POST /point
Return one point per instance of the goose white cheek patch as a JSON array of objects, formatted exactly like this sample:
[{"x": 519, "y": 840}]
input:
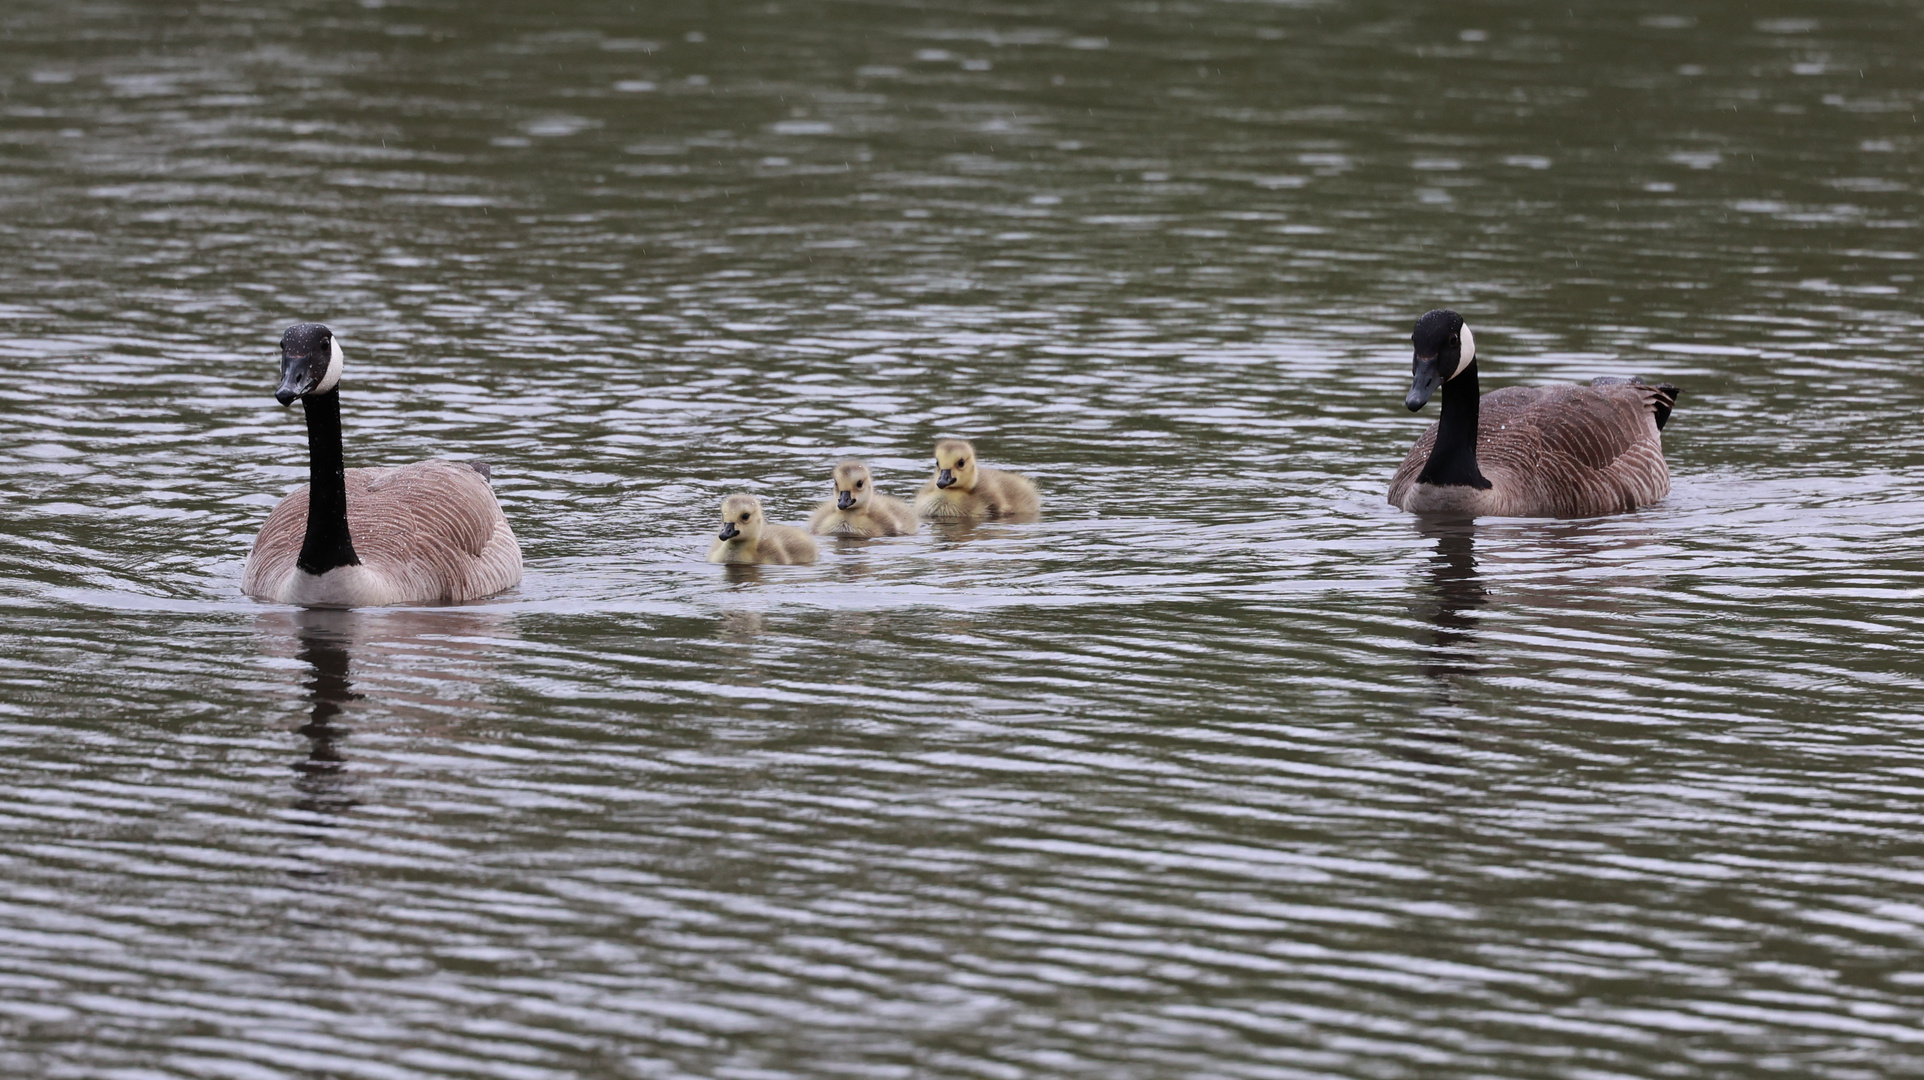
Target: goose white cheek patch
[
  {"x": 334, "y": 361},
  {"x": 1469, "y": 351}
]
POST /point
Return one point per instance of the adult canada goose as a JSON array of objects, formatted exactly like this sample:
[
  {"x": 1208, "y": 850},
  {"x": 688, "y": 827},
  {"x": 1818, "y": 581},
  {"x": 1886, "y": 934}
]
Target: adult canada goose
[
  {"x": 747, "y": 537},
  {"x": 962, "y": 490},
  {"x": 1527, "y": 451},
  {"x": 410, "y": 534},
  {"x": 858, "y": 509}
]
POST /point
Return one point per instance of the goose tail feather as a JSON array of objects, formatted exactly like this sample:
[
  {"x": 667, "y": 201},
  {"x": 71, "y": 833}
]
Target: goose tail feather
[{"x": 1664, "y": 400}]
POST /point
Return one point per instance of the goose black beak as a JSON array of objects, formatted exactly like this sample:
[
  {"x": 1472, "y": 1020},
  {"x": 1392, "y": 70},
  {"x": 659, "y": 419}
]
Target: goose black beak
[
  {"x": 729, "y": 531},
  {"x": 945, "y": 478},
  {"x": 299, "y": 374},
  {"x": 1426, "y": 374},
  {"x": 844, "y": 500}
]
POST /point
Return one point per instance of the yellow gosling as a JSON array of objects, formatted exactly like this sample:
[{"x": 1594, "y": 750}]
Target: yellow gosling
[
  {"x": 859, "y": 510},
  {"x": 962, "y": 490},
  {"x": 747, "y": 537}
]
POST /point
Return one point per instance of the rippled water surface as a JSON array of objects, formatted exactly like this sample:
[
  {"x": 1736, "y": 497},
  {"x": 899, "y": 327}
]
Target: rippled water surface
[{"x": 1223, "y": 768}]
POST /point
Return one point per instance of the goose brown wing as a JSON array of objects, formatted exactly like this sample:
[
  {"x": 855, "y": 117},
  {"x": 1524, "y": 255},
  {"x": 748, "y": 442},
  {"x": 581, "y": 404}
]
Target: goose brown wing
[
  {"x": 1497, "y": 412},
  {"x": 1575, "y": 451},
  {"x": 1406, "y": 473},
  {"x": 435, "y": 500},
  {"x": 427, "y": 522},
  {"x": 278, "y": 545},
  {"x": 1586, "y": 426}
]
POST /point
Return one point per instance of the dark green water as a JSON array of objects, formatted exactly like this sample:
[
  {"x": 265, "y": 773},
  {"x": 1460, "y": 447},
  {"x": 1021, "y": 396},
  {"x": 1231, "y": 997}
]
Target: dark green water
[{"x": 1223, "y": 768}]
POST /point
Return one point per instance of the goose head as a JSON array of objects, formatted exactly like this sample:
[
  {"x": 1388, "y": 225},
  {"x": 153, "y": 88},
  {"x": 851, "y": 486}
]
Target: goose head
[
  {"x": 955, "y": 465},
  {"x": 1444, "y": 348},
  {"x": 852, "y": 486},
  {"x": 741, "y": 519},
  {"x": 310, "y": 362}
]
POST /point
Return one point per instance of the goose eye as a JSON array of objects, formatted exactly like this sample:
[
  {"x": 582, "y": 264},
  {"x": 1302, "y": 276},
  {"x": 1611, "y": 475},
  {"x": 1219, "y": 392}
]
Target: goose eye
[
  {"x": 961, "y": 463},
  {"x": 858, "y": 484},
  {"x": 744, "y": 517}
]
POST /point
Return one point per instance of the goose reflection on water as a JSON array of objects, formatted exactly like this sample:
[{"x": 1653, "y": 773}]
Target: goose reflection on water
[
  {"x": 420, "y": 668},
  {"x": 1455, "y": 593},
  {"x": 1561, "y": 586},
  {"x": 322, "y": 778}
]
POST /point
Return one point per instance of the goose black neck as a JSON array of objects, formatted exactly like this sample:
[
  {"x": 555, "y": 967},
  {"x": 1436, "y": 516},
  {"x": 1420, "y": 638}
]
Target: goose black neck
[
  {"x": 327, "y": 544},
  {"x": 1453, "y": 460}
]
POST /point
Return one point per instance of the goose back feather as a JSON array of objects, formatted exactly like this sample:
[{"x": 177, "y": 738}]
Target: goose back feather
[
  {"x": 424, "y": 532},
  {"x": 1556, "y": 451}
]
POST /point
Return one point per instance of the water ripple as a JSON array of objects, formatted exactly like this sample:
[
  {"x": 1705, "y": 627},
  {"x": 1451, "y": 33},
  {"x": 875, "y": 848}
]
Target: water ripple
[{"x": 1222, "y": 768}]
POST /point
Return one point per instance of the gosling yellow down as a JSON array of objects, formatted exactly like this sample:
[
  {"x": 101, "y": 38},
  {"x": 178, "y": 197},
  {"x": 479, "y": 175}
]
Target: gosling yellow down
[
  {"x": 859, "y": 510},
  {"x": 962, "y": 490},
  {"x": 747, "y": 537}
]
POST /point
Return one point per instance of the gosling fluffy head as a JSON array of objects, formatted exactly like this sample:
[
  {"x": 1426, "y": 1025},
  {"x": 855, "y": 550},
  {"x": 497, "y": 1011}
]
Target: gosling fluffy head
[
  {"x": 955, "y": 467},
  {"x": 852, "y": 485},
  {"x": 311, "y": 362},
  {"x": 741, "y": 518},
  {"x": 1444, "y": 348}
]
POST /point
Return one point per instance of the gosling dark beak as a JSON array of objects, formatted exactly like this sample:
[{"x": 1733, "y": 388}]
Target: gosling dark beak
[
  {"x": 299, "y": 374},
  {"x": 945, "y": 478},
  {"x": 1426, "y": 374},
  {"x": 844, "y": 500},
  {"x": 729, "y": 531}
]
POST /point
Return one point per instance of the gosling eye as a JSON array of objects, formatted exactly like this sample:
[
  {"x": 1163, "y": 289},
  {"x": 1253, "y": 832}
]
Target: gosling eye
[
  {"x": 745, "y": 517},
  {"x": 961, "y": 463},
  {"x": 859, "y": 483}
]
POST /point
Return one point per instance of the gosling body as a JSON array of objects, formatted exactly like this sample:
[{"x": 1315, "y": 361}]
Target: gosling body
[
  {"x": 858, "y": 510},
  {"x": 1553, "y": 451},
  {"x": 431, "y": 531},
  {"x": 963, "y": 490},
  {"x": 748, "y": 537}
]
